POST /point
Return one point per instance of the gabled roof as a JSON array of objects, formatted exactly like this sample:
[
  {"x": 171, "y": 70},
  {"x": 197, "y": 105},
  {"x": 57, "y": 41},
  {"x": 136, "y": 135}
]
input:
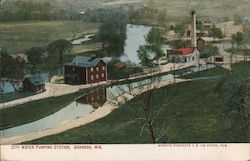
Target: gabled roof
[
  {"x": 183, "y": 51},
  {"x": 84, "y": 61},
  {"x": 35, "y": 80}
]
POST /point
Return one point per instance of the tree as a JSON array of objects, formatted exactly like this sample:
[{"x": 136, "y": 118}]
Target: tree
[
  {"x": 180, "y": 29},
  {"x": 200, "y": 26},
  {"x": 113, "y": 31},
  {"x": 209, "y": 51},
  {"x": 57, "y": 49},
  {"x": 153, "y": 48},
  {"x": 144, "y": 57},
  {"x": 34, "y": 56},
  {"x": 143, "y": 93},
  {"x": 215, "y": 32},
  {"x": 9, "y": 67},
  {"x": 237, "y": 101}
]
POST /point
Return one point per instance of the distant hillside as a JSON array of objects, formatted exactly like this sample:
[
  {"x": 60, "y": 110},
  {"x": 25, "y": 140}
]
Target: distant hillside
[
  {"x": 77, "y": 5},
  {"x": 213, "y": 8}
]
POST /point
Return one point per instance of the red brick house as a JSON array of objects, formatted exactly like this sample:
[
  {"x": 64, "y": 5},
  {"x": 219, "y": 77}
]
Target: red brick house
[{"x": 85, "y": 70}]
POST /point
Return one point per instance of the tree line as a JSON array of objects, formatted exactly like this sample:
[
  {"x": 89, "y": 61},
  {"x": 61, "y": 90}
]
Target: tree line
[{"x": 28, "y": 10}]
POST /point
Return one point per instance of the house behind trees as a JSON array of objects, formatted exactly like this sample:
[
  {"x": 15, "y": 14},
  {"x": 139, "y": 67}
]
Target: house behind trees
[{"x": 85, "y": 70}]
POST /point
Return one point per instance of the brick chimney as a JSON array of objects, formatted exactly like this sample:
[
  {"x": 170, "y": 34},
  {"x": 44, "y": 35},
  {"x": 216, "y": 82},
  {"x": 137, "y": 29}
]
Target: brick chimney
[{"x": 194, "y": 38}]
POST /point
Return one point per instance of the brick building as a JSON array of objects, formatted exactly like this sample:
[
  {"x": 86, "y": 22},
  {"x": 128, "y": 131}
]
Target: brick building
[{"x": 85, "y": 70}]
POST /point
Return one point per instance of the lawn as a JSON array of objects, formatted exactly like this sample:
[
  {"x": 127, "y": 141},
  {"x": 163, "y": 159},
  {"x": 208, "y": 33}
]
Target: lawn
[
  {"x": 218, "y": 71},
  {"x": 36, "y": 110},
  {"x": 20, "y": 36}
]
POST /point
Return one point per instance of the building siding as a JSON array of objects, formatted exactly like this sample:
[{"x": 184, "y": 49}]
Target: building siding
[{"x": 86, "y": 75}]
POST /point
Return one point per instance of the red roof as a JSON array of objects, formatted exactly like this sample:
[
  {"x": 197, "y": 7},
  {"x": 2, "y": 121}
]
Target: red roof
[{"x": 183, "y": 51}]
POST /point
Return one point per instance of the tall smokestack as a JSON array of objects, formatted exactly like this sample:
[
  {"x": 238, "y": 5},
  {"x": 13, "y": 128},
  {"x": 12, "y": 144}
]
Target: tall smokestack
[{"x": 194, "y": 39}]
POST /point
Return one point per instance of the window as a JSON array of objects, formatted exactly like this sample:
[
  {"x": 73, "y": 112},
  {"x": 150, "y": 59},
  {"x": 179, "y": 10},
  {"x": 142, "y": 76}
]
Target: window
[
  {"x": 97, "y": 76},
  {"x": 92, "y": 77},
  {"x": 102, "y": 75},
  {"x": 73, "y": 69},
  {"x": 97, "y": 68},
  {"x": 103, "y": 68},
  {"x": 92, "y": 69}
]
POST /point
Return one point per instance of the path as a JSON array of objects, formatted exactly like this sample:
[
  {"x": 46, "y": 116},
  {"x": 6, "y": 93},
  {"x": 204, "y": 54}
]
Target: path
[{"x": 97, "y": 114}]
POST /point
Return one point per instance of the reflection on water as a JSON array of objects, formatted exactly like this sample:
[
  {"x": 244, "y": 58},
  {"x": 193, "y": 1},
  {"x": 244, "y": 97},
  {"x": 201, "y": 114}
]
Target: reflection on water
[{"x": 96, "y": 99}]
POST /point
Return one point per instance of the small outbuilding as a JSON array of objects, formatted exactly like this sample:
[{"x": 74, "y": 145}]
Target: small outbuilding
[
  {"x": 33, "y": 84},
  {"x": 201, "y": 43}
]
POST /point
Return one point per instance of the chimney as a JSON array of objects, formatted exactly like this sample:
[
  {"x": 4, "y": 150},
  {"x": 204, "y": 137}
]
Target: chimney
[{"x": 194, "y": 39}]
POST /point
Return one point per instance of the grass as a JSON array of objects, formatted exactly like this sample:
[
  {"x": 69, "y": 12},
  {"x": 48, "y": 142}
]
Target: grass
[
  {"x": 20, "y": 36},
  {"x": 35, "y": 110},
  {"x": 14, "y": 96},
  {"x": 95, "y": 46},
  {"x": 211, "y": 72}
]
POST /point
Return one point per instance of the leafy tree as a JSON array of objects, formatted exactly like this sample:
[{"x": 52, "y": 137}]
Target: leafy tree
[
  {"x": 34, "y": 56},
  {"x": 215, "y": 32},
  {"x": 58, "y": 48},
  {"x": 210, "y": 50},
  {"x": 179, "y": 43},
  {"x": 113, "y": 31},
  {"x": 200, "y": 25},
  {"x": 237, "y": 101},
  {"x": 153, "y": 49},
  {"x": 180, "y": 29},
  {"x": 238, "y": 39},
  {"x": 144, "y": 56},
  {"x": 9, "y": 67}
]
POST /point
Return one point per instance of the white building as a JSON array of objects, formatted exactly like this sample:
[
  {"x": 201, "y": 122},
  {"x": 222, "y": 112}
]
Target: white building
[
  {"x": 187, "y": 54},
  {"x": 184, "y": 55}
]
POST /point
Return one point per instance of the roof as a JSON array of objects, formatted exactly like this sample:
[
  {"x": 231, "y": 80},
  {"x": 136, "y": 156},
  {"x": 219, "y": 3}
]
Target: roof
[
  {"x": 84, "y": 61},
  {"x": 119, "y": 65},
  {"x": 35, "y": 80},
  {"x": 183, "y": 51}
]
